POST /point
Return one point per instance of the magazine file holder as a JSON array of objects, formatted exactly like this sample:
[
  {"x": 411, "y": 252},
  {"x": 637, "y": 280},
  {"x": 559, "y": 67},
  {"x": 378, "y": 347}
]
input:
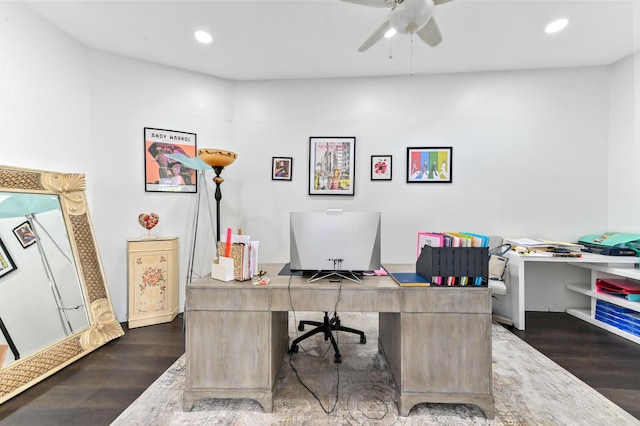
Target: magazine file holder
[{"x": 222, "y": 269}]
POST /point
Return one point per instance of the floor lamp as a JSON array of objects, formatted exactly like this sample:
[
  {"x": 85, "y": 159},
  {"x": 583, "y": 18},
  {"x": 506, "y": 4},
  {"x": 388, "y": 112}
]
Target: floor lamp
[
  {"x": 207, "y": 158},
  {"x": 200, "y": 167},
  {"x": 218, "y": 159},
  {"x": 53, "y": 285}
]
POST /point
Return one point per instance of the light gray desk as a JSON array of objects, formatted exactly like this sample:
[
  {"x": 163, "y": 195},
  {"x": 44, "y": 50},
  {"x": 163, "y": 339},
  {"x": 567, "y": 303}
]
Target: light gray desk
[
  {"x": 437, "y": 341},
  {"x": 543, "y": 281}
]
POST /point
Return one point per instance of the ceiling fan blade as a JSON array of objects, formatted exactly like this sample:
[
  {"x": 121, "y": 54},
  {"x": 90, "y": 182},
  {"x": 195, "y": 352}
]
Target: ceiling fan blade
[
  {"x": 376, "y": 36},
  {"x": 430, "y": 33},
  {"x": 373, "y": 3},
  {"x": 435, "y": 2}
]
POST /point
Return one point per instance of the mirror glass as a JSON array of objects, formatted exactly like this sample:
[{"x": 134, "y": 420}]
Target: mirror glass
[
  {"x": 34, "y": 235},
  {"x": 54, "y": 302}
]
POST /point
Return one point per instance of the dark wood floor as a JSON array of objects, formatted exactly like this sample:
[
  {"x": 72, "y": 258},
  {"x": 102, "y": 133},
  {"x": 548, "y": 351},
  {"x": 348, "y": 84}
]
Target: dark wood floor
[
  {"x": 608, "y": 363},
  {"x": 97, "y": 388}
]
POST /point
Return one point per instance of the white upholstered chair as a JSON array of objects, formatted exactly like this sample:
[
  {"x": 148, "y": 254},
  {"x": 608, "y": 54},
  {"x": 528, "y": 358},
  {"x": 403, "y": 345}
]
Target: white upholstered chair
[{"x": 498, "y": 274}]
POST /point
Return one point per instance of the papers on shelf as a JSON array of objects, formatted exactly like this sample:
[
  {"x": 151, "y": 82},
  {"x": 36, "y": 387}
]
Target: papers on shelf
[
  {"x": 538, "y": 253},
  {"x": 562, "y": 244},
  {"x": 545, "y": 248},
  {"x": 528, "y": 242}
]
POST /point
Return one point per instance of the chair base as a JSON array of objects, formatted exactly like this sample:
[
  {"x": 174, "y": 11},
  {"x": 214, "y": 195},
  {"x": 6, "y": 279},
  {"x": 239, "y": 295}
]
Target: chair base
[{"x": 327, "y": 327}]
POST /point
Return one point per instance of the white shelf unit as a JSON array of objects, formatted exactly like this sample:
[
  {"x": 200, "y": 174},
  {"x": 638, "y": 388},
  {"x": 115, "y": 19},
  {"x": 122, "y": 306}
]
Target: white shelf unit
[{"x": 604, "y": 271}]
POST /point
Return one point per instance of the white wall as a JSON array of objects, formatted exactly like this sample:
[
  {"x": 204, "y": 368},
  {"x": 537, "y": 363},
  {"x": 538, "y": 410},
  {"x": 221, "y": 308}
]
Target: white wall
[
  {"x": 522, "y": 143},
  {"x": 126, "y": 96},
  {"x": 624, "y": 148},
  {"x": 624, "y": 139},
  {"x": 44, "y": 94},
  {"x": 529, "y": 148}
]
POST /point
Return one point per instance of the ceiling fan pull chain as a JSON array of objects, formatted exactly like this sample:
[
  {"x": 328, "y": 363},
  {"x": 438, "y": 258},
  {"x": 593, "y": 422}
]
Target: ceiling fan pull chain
[
  {"x": 411, "y": 45},
  {"x": 390, "y": 55}
]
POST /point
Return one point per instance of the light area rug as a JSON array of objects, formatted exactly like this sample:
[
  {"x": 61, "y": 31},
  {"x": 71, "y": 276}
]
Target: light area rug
[{"x": 528, "y": 389}]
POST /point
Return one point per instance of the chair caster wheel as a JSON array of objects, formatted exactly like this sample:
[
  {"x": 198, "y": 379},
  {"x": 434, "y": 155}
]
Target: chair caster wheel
[
  {"x": 300, "y": 327},
  {"x": 337, "y": 359},
  {"x": 293, "y": 349},
  {"x": 363, "y": 340}
]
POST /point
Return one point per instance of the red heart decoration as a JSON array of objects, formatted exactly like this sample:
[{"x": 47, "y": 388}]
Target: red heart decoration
[{"x": 148, "y": 220}]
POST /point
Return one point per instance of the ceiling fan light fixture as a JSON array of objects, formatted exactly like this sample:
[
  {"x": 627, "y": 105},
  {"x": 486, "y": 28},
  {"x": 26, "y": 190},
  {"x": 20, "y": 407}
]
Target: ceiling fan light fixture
[
  {"x": 390, "y": 33},
  {"x": 411, "y": 15},
  {"x": 557, "y": 25},
  {"x": 203, "y": 37}
]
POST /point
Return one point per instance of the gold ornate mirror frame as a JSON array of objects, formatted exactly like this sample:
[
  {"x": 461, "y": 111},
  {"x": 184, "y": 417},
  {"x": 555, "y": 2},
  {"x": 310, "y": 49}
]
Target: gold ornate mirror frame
[{"x": 103, "y": 326}]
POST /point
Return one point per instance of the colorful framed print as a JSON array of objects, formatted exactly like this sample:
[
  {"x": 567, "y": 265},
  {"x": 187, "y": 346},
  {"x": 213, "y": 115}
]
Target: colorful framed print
[
  {"x": 429, "y": 164},
  {"x": 381, "y": 167},
  {"x": 281, "y": 168},
  {"x": 332, "y": 162},
  {"x": 24, "y": 234},
  {"x": 6, "y": 262},
  {"x": 163, "y": 171}
]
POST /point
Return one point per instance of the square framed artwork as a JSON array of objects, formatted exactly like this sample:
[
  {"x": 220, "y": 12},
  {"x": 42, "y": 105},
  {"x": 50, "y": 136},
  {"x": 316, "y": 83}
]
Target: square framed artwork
[
  {"x": 429, "y": 164},
  {"x": 163, "y": 171},
  {"x": 24, "y": 234},
  {"x": 6, "y": 262},
  {"x": 381, "y": 167},
  {"x": 281, "y": 168},
  {"x": 332, "y": 163}
]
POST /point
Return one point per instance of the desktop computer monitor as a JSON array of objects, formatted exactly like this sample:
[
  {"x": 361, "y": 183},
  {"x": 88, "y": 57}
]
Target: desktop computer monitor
[{"x": 335, "y": 240}]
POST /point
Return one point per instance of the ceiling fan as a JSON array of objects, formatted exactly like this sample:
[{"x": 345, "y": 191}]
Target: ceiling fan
[{"x": 408, "y": 17}]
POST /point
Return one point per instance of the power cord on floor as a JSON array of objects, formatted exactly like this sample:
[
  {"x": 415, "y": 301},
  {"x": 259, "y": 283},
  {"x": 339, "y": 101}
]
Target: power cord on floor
[{"x": 335, "y": 315}]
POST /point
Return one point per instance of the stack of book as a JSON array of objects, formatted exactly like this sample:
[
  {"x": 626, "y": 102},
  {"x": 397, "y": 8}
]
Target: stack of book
[
  {"x": 244, "y": 253},
  {"x": 612, "y": 244}
]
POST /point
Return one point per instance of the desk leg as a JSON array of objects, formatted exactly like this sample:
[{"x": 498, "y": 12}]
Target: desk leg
[
  {"x": 425, "y": 352},
  {"x": 517, "y": 295},
  {"x": 234, "y": 354},
  {"x": 512, "y": 305}
]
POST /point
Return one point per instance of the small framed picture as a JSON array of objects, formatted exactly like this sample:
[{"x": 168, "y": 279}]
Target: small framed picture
[
  {"x": 381, "y": 167},
  {"x": 24, "y": 234},
  {"x": 429, "y": 164},
  {"x": 332, "y": 163},
  {"x": 6, "y": 262},
  {"x": 281, "y": 168}
]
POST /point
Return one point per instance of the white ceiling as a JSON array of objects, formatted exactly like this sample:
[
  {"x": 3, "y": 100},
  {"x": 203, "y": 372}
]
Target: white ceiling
[{"x": 294, "y": 39}]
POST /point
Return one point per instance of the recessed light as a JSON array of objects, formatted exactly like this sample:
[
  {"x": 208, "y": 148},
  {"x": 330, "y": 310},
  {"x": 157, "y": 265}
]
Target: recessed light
[
  {"x": 203, "y": 37},
  {"x": 556, "y": 26},
  {"x": 390, "y": 33}
]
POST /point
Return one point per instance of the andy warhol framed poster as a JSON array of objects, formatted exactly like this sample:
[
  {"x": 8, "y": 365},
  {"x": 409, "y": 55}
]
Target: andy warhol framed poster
[{"x": 163, "y": 172}]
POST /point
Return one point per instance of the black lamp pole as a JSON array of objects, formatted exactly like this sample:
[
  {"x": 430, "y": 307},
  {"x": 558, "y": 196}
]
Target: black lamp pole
[
  {"x": 217, "y": 159},
  {"x": 218, "y": 180}
]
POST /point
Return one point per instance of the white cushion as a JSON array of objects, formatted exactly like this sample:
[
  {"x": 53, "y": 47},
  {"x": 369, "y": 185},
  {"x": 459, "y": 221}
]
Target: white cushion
[{"x": 498, "y": 287}]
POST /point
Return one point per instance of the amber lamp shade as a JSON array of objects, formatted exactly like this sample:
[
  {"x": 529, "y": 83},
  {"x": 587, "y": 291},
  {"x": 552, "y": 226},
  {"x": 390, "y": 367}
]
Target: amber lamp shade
[{"x": 218, "y": 159}]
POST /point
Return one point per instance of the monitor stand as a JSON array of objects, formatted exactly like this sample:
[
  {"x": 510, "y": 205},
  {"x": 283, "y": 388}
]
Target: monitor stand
[{"x": 347, "y": 275}]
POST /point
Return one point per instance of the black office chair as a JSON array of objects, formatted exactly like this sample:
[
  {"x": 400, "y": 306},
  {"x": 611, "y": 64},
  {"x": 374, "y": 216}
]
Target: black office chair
[{"x": 327, "y": 326}]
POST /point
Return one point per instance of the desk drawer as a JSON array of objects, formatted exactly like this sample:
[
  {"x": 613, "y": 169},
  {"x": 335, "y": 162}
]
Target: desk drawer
[
  {"x": 460, "y": 300},
  {"x": 227, "y": 299},
  {"x": 360, "y": 299}
]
